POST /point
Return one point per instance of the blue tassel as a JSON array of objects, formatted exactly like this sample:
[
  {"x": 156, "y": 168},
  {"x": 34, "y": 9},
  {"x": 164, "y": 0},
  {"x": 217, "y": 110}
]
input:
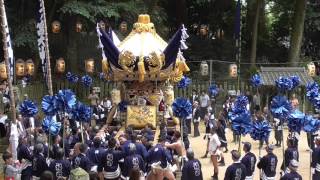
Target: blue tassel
[
  {"x": 82, "y": 113},
  {"x": 87, "y": 80},
  {"x": 280, "y": 107},
  {"x": 284, "y": 84},
  {"x": 256, "y": 80},
  {"x": 184, "y": 82},
  {"x": 181, "y": 108},
  {"x": 295, "y": 121},
  {"x": 49, "y": 105},
  {"x": 260, "y": 131},
  {"x": 65, "y": 100},
  {"x": 28, "y": 108},
  {"x": 51, "y": 126},
  {"x": 213, "y": 90}
]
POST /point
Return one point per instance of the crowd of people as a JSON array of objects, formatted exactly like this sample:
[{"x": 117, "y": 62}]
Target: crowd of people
[{"x": 102, "y": 152}]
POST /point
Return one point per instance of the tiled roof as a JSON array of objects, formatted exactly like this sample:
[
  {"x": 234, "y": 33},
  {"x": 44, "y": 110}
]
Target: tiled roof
[{"x": 270, "y": 74}]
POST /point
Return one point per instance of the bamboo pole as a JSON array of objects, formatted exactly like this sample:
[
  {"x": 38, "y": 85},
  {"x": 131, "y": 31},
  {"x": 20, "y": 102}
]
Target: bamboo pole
[
  {"x": 6, "y": 60},
  {"x": 48, "y": 66}
]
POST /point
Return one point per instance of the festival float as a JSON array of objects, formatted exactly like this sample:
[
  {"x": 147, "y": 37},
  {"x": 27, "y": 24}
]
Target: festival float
[{"x": 144, "y": 68}]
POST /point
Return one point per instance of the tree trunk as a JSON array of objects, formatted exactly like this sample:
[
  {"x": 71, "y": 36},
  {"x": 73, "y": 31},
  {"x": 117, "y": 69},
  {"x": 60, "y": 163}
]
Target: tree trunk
[
  {"x": 254, "y": 39},
  {"x": 297, "y": 32}
]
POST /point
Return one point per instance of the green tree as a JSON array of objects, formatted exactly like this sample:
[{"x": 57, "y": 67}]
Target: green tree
[{"x": 297, "y": 31}]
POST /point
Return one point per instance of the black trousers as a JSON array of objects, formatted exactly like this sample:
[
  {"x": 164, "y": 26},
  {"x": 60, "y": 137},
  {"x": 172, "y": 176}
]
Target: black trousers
[
  {"x": 26, "y": 174},
  {"x": 196, "y": 129},
  {"x": 188, "y": 124}
]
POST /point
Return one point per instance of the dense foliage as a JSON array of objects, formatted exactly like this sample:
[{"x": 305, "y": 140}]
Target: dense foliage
[{"x": 273, "y": 43}]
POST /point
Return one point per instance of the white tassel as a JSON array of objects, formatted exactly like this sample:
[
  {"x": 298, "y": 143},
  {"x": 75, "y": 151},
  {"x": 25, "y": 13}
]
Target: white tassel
[{"x": 100, "y": 46}]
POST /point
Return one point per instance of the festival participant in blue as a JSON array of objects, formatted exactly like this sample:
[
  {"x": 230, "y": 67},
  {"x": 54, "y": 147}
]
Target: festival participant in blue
[
  {"x": 95, "y": 152},
  {"x": 109, "y": 166},
  {"x": 315, "y": 164},
  {"x": 159, "y": 158},
  {"x": 80, "y": 158},
  {"x": 60, "y": 167},
  {"x": 124, "y": 143},
  {"x": 237, "y": 170},
  {"x": 249, "y": 160},
  {"x": 192, "y": 168},
  {"x": 56, "y": 145},
  {"x": 25, "y": 154},
  {"x": 291, "y": 153},
  {"x": 268, "y": 164},
  {"x": 133, "y": 162},
  {"x": 278, "y": 131},
  {"x": 39, "y": 164},
  {"x": 140, "y": 148},
  {"x": 293, "y": 174}
]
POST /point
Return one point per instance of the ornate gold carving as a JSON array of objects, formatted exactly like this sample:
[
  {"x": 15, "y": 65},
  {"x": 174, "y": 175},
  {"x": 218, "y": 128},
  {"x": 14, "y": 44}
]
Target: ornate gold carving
[
  {"x": 155, "y": 62},
  {"x": 127, "y": 61},
  {"x": 140, "y": 116},
  {"x": 105, "y": 66},
  {"x": 176, "y": 75},
  {"x": 141, "y": 69}
]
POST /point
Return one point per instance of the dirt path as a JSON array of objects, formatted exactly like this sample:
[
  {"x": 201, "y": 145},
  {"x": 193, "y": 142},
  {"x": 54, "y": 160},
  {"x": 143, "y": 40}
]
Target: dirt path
[{"x": 199, "y": 147}]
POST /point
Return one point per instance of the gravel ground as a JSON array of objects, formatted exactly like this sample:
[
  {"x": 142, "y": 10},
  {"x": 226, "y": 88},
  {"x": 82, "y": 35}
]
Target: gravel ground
[{"x": 199, "y": 147}]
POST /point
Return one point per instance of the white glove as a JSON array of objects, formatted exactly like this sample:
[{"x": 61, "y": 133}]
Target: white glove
[{"x": 313, "y": 170}]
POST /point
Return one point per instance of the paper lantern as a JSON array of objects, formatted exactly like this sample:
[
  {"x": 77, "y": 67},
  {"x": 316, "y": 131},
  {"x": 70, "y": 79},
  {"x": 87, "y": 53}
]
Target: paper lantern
[
  {"x": 204, "y": 30},
  {"x": 79, "y": 26},
  {"x": 29, "y": 67},
  {"x": 60, "y": 65},
  {"x": 3, "y": 71},
  {"x": 233, "y": 70},
  {"x": 20, "y": 68},
  {"x": 204, "y": 68},
  {"x": 311, "y": 69},
  {"x": 89, "y": 65},
  {"x": 56, "y": 26},
  {"x": 123, "y": 27}
]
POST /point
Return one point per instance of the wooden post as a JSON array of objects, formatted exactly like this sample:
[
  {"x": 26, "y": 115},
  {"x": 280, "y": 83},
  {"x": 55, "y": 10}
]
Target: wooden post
[
  {"x": 48, "y": 66},
  {"x": 6, "y": 60}
]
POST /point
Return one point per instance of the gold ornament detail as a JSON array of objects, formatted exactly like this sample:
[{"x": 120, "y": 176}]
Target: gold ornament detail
[
  {"x": 144, "y": 24},
  {"x": 141, "y": 69},
  {"x": 182, "y": 66},
  {"x": 176, "y": 76},
  {"x": 155, "y": 62},
  {"x": 127, "y": 61},
  {"x": 105, "y": 66}
]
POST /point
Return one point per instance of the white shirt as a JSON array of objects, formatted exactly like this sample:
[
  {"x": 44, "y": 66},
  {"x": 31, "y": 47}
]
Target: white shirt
[
  {"x": 214, "y": 143},
  {"x": 14, "y": 135},
  {"x": 3, "y": 119},
  {"x": 204, "y": 100}
]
